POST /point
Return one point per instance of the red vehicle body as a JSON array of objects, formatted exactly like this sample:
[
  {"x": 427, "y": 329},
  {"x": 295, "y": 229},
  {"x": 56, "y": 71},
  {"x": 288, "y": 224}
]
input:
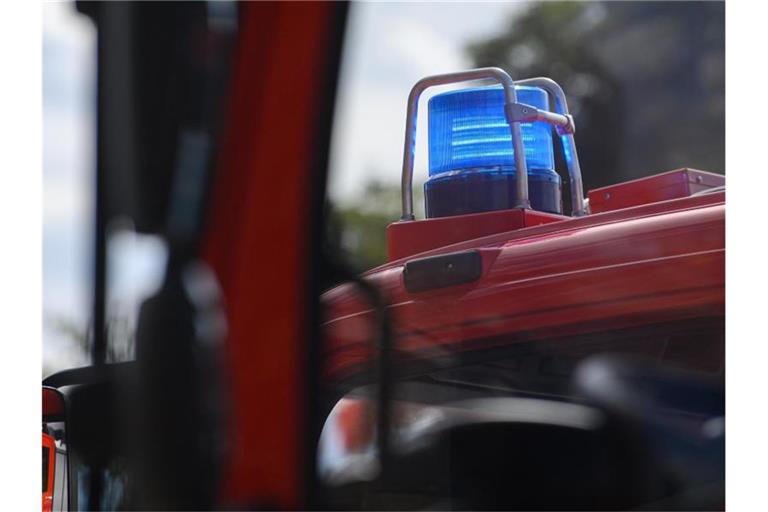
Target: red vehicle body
[
  {"x": 55, "y": 473},
  {"x": 655, "y": 256},
  {"x": 641, "y": 278},
  {"x": 49, "y": 466},
  {"x": 545, "y": 276}
]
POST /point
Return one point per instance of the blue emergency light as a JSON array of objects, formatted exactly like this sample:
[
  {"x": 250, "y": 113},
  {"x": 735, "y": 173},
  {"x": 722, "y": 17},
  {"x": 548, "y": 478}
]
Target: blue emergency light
[{"x": 471, "y": 158}]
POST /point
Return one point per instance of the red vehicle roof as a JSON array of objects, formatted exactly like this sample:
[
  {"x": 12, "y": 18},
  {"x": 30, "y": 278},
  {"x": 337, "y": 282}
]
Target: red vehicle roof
[{"x": 651, "y": 263}]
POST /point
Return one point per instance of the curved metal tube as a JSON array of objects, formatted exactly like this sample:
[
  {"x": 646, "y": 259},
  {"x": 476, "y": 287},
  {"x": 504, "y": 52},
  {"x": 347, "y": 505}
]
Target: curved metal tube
[
  {"x": 510, "y": 96},
  {"x": 579, "y": 206}
]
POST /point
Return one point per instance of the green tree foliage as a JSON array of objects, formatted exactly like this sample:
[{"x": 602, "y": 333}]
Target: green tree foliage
[
  {"x": 645, "y": 80},
  {"x": 359, "y": 228}
]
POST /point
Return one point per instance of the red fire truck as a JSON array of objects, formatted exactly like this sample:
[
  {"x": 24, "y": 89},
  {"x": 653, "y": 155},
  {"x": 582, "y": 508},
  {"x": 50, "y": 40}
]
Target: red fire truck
[
  {"x": 497, "y": 301},
  {"x": 513, "y": 352},
  {"x": 485, "y": 271}
]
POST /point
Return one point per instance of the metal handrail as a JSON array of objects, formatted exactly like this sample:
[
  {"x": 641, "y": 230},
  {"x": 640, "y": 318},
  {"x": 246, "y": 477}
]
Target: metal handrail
[
  {"x": 510, "y": 95},
  {"x": 579, "y": 206},
  {"x": 515, "y": 113}
]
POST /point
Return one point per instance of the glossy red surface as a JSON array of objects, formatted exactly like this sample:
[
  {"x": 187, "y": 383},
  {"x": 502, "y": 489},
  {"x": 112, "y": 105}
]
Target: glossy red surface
[
  {"x": 660, "y": 187},
  {"x": 647, "y": 264},
  {"x": 48, "y": 442},
  {"x": 408, "y": 238},
  {"x": 257, "y": 242},
  {"x": 53, "y": 402}
]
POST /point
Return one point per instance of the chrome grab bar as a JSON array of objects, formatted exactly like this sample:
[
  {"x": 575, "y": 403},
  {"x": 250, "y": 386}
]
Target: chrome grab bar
[
  {"x": 515, "y": 114},
  {"x": 579, "y": 206}
]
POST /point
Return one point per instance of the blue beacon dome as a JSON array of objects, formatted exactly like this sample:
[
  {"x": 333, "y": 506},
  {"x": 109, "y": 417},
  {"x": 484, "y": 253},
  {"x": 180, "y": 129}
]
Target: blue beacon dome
[{"x": 471, "y": 160}]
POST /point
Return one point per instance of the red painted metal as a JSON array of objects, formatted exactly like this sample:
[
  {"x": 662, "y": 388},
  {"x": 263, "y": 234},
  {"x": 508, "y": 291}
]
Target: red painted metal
[
  {"x": 53, "y": 402},
  {"x": 48, "y": 442},
  {"x": 257, "y": 241},
  {"x": 648, "y": 264},
  {"x": 356, "y": 421},
  {"x": 660, "y": 187},
  {"x": 413, "y": 237}
]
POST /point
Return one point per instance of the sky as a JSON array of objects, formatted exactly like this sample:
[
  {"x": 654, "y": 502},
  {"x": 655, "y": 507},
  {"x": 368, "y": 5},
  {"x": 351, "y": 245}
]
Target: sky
[
  {"x": 68, "y": 160},
  {"x": 388, "y": 47},
  {"x": 135, "y": 262}
]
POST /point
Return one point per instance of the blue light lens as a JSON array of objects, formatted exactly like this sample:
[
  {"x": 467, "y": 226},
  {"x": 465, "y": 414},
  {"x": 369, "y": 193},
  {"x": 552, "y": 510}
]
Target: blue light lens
[
  {"x": 468, "y": 130},
  {"x": 471, "y": 160}
]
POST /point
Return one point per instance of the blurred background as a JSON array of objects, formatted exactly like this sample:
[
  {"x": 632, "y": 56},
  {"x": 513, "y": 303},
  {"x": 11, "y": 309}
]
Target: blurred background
[{"x": 645, "y": 82}]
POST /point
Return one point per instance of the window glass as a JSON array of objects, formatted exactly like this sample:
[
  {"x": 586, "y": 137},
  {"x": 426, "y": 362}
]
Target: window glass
[
  {"x": 135, "y": 262},
  {"x": 69, "y": 101}
]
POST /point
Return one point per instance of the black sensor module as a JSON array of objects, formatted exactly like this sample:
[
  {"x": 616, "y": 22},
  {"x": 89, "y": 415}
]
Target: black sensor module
[{"x": 432, "y": 272}]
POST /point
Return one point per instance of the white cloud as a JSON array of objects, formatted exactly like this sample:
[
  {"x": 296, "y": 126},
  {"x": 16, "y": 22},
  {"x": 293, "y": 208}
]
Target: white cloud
[
  {"x": 369, "y": 137},
  {"x": 68, "y": 163},
  {"x": 64, "y": 25},
  {"x": 424, "y": 48}
]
